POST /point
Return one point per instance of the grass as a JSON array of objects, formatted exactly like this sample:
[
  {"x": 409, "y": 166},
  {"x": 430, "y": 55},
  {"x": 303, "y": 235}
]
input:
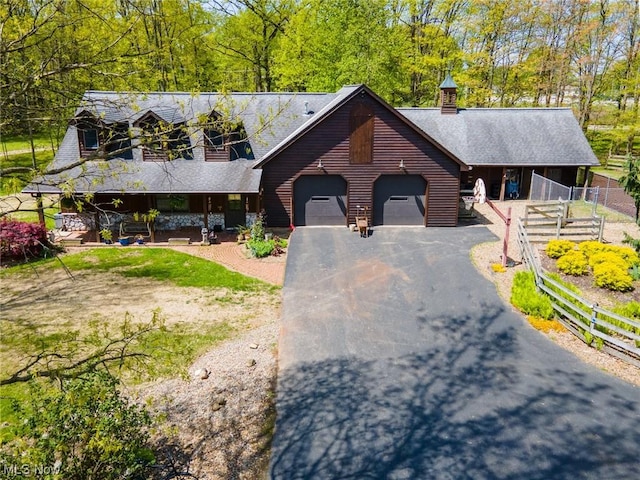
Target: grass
[
  {"x": 32, "y": 217},
  {"x": 22, "y": 142},
  {"x": 608, "y": 172},
  {"x": 582, "y": 209},
  {"x": 10, "y": 184},
  {"x": 168, "y": 348},
  {"x": 162, "y": 264}
]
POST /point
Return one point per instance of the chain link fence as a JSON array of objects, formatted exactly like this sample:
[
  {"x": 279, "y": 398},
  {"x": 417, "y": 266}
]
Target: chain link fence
[{"x": 605, "y": 192}]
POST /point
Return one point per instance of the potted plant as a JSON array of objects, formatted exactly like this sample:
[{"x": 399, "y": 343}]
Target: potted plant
[
  {"x": 244, "y": 233},
  {"x": 139, "y": 239},
  {"x": 106, "y": 235}
]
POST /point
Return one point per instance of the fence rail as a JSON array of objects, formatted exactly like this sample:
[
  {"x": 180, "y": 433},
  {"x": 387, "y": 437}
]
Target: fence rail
[
  {"x": 545, "y": 221},
  {"x": 613, "y": 333}
]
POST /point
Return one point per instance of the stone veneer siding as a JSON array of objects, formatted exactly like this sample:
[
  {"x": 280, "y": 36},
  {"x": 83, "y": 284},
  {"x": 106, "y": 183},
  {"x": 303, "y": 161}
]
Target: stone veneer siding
[{"x": 86, "y": 221}]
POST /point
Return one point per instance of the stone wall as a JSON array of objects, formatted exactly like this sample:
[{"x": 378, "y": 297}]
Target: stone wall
[
  {"x": 74, "y": 222},
  {"x": 175, "y": 221}
]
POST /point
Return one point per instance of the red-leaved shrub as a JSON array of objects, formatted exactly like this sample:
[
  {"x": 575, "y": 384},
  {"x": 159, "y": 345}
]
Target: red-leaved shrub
[{"x": 20, "y": 239}]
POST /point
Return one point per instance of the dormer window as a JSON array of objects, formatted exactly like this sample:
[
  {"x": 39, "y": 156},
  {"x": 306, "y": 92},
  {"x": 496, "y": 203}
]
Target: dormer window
[
  {"x": 118, "y": 142},
  {"x": 162, "y": 141},
  {"x": 89, "y": 130},
  {"x": 214, "y": 139},
  {"x": 90, "y": 139}
]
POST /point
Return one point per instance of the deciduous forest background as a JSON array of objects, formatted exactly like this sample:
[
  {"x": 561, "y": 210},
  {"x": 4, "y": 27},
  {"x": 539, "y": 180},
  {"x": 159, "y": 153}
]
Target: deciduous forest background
[{"x": 501, "y": 53}]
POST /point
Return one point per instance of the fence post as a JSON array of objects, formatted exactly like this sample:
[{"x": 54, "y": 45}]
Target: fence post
[
  {"x": 594, "y": 315},
  {"x": 601, "y": 229},
  {"x": 505, "y": 244},
  {"x": 559, "y": 222}
]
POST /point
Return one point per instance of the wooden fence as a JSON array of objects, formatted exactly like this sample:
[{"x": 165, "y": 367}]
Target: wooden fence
[
  {"x": 608, "y": 331},
  {"x": 547, "y": 221}
]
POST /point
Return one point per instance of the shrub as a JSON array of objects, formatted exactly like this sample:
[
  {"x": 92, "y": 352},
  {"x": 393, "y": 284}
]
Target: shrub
[
  {"x": 558, "y": 248},
  {"x": 629, "y": 310},
  {"x": 573, "y": 263},
  {"x": 257, "y": 229},
  {"x": 261, "y": 248},
  {"x": 633, "y": 242},
  {"x": 628, "y": 254},
  {"x": 498, "y": 268},
  {"x": 21, "y": 239},
  {"x": 607, "y": 257},
  {"x": 612, "y": 276},
  {"x": 593, "y": 248},
  {"x": 86, "y": 430},
  {"x": 546, "y": 325},
  {"x": 525, "y": 296},
  {"x": 590, "y": 247}
]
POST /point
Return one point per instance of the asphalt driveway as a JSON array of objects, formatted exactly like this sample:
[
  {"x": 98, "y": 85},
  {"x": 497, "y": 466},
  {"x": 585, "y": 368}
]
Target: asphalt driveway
[{"x": 398, "y": 360}]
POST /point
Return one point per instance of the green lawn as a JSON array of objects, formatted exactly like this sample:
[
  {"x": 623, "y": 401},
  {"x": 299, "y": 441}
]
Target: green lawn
[
  {"x": 167, "y": 345},
  {"x": 162, "y": 264},
  {"x": 581, "y": 209},
  {"x": 22, "y": 142},
  {"x": 608, "y": 172},
  {"x": 10, "y": 184}
]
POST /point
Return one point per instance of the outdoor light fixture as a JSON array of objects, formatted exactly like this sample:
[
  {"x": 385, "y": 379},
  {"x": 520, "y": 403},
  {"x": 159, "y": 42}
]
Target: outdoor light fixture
[
  {"x": 320, "y": 166},
  {"x": 401, "y": 164}
]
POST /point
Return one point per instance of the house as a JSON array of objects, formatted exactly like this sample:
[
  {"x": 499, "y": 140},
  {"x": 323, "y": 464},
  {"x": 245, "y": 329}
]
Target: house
[{"x": 216, "y": 160}]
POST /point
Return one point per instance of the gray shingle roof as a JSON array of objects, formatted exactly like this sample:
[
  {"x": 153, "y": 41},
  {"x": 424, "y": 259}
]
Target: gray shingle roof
[
  {"x": 268, "y": 119},
  {"x": 508, "y": 136},
  {"x": 499, "y": 137}
]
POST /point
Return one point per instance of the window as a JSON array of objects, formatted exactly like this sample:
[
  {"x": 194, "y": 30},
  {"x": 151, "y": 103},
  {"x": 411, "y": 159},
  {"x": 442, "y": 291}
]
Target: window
[
  {"x": 179, "y": 144},
  {"x": 118, "y": 144},
  {"x": 90, "y": 139},
  {"x": 163, "y": 141},
  {"x": 172, "y": 203},
  {"x": 361, "y": 121},
  {"x": 234, "y": 202},
  {"x": 214, "y": 139}
]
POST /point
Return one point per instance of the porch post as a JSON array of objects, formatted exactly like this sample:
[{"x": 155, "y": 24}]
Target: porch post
[
  {"x": 502, "y": 183},
  {"x": 205, "y": 209}
]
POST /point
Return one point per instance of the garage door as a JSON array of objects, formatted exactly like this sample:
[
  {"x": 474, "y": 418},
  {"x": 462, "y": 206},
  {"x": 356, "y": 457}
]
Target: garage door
[
  {"x": 399, "y": 200},
  {"x": 320, "y": 200}
]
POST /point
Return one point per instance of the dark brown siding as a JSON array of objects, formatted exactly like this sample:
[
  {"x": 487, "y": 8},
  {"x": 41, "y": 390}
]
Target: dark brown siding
[
  {"x": 361, "y": 127},
  {"x": 213, "y": 154},
  {"x": 394, "y": 141}
]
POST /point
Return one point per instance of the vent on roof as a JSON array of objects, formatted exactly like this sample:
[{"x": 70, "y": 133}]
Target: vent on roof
[{"x": 306, "y": 109}]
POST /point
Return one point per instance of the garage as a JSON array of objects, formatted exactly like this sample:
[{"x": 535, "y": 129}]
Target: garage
[
  {"x": 320, "y": 200},
  {"x": 399, "y": 200}
]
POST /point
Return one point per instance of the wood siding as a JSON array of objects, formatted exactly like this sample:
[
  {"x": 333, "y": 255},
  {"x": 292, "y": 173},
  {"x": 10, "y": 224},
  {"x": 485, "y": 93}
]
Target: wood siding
[
  {"x": 394, "y": 141},
  {"x": 213, "y": 154}
]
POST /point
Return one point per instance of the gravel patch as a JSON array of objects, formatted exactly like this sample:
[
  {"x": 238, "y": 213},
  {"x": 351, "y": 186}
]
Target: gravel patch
[
  {"x": 487, "y": 254},
  {"x": 218, "y": 423}
]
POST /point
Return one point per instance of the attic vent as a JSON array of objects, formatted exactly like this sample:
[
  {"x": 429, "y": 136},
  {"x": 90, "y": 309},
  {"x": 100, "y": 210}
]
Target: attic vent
[{"x": 306, "y": 109}]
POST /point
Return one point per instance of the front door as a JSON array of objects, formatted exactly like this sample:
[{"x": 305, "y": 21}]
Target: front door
[{"x": 234, "y": 214}]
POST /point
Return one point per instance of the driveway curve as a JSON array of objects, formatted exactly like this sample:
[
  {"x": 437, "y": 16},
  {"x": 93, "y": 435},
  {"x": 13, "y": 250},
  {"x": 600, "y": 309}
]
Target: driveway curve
[{"x": 398, "y": 360}]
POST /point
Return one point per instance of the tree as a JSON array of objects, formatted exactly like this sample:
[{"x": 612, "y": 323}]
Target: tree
[
  {"x": 630, "y": 181},
  {"x": 86, "y": 430},
  {"x": 246, "y": 40},
  {"x": 327, "y": 45}
]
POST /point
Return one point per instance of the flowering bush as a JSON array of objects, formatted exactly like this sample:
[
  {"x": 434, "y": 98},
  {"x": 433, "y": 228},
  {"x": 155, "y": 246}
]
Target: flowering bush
[
  {"x": 612, "y": 276},
  {"x": 573, "y": 263},
  {"x": 20, "y": 239},
  {"x": 557, "y": 248}
]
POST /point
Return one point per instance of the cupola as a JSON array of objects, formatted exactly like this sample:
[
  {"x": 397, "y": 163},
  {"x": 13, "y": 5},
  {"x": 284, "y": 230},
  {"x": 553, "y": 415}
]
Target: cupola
[{"x": 448, "y": 95}]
